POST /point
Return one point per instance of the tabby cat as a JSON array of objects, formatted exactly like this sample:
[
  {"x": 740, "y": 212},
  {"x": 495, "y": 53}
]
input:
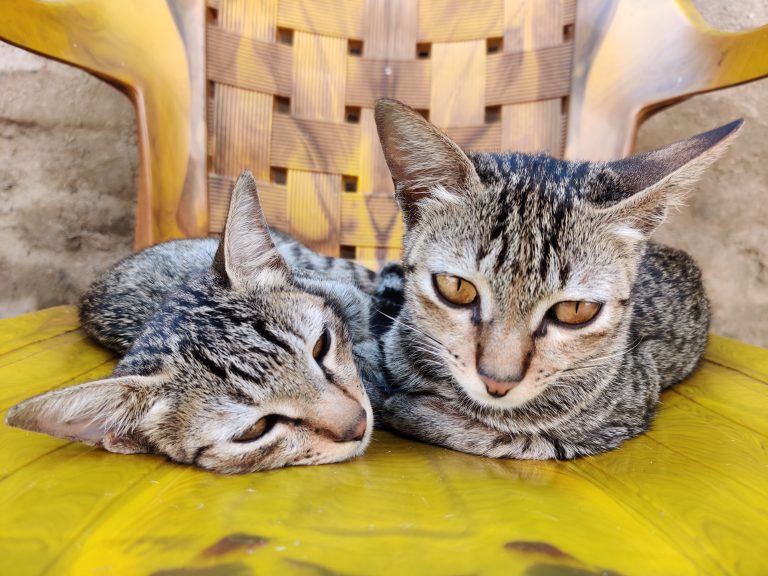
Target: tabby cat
[
  {"x": 531, "y": 318},
  {"x": 235, "y": 361},
  {"x": 538, "y": 320}
]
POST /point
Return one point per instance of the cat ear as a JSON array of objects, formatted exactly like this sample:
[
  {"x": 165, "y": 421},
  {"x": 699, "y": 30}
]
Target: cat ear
[
  {"x": 105, "y": 412},
  {"x": 247, "y": 256},
  {"x": 421, "y": 159},
  {"x": 653, "y": 182}
]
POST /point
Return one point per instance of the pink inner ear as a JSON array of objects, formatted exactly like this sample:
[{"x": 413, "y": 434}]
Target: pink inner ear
[
  {"x": 93, "y": 432},
  {"x": 90, "y": 431},
  {"x": 95, "y": 413}
]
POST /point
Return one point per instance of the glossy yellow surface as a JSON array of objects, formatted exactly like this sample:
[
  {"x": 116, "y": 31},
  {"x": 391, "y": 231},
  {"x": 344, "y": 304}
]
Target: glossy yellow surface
[
  {"x": 690, "y": 497},
  {"x": 633, "y": 58}
]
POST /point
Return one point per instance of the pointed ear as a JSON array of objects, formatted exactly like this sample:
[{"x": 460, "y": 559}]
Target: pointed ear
[
  {"x": 653, "y": 182},
  {"x": 247, "y": 256},
  {"x": 419, "y": 156},
  {"x": 105, "y": 412}
]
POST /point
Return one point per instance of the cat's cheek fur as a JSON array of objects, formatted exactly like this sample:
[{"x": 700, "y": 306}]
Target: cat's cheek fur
[{"x": 287, "y": 444}]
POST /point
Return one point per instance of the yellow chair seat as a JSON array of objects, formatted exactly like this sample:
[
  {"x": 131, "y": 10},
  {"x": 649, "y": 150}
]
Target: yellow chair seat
[{"x": 690, "y": 497}]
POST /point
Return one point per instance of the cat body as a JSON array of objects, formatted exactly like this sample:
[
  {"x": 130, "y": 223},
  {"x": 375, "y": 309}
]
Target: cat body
[
  {"x": 597, "y": 415},
  {"x": 115, "y": 307},
  {"x": 236, "y": 362},
  {"x": 537, "y": 319}
]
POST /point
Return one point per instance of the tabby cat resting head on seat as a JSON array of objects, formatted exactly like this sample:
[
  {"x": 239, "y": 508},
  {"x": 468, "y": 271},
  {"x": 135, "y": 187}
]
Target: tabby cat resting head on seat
[{"x": 248, "y": 364}]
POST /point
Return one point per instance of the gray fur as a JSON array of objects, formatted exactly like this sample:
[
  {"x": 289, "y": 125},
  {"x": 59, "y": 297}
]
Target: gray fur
[
  {"x": 216, "y": 343},
  {"x": 116, "y": 306},
  {"x": 529, "y": 231}
]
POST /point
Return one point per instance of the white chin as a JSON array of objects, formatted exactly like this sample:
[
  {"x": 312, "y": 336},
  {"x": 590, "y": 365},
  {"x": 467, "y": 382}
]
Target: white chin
[{"x": 512, "y": 399}]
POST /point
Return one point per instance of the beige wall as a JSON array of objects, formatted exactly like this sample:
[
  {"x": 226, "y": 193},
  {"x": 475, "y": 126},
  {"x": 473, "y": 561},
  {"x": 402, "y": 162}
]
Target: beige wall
[
  {"x": 68, "y": 177},
  {"x": 67, "y": 180},
  {"x": 725, "y": 224}
]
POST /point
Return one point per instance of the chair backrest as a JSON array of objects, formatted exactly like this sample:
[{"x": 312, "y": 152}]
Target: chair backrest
[
  {"x": 292, "y": 86},
  {"x": 287, "y": 87}
]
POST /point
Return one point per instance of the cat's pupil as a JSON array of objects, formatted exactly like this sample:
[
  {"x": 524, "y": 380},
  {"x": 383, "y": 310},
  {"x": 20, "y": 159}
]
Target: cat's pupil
[
  {"x": 454, "y": 289},
  {"x": 574, "y": 312}
]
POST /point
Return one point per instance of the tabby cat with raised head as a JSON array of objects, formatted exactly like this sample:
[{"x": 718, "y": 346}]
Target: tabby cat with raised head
[
  {"x": 235, "y": 360},
  {"x": 538, "y": 319}
]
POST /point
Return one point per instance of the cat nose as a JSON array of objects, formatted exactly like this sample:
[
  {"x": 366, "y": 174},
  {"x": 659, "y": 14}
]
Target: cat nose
[
  {"x": 356, "y": 431},
  {"x": 498, "y": 388},
  {"x": 513, "y": 367}
]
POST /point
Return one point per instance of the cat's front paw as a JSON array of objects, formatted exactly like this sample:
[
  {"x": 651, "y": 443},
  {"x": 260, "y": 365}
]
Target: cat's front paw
[
  {"x": 413, "y": 415},
  {"x": 433, "y": 419}
]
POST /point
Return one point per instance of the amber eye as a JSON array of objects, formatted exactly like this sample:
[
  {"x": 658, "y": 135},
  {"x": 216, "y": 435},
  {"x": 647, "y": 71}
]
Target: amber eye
[
  {"x": 454, "y": 289},
  {"x": 575, "y": 312},
  {"x": 321, "y": 346},
  {"x": 258, "y": 429}
]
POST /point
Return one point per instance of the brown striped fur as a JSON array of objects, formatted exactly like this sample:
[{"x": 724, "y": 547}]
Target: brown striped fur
[
  {"x": 529, "y": 231},
  {"x": 218, "y": 345}
]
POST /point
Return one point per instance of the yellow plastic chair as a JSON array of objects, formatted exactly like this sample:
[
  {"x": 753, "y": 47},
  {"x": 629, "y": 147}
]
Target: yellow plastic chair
[{"x": 286, "y": 88}]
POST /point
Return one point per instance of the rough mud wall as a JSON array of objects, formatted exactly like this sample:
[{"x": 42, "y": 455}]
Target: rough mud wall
[
  {"x": 67, "y": 180},
  {"x": 725, "y": 223}
]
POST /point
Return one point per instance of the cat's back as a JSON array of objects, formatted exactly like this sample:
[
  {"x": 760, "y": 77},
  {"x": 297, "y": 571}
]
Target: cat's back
[
  {"x": 118, "y": 303},
  {"x": 340, "y": 269},
  {"x": 671, "y": 311}
]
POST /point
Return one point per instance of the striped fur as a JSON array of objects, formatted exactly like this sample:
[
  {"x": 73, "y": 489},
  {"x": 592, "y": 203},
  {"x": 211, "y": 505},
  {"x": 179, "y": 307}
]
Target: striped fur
[
  {"x": 222, "y": 337},
  {"x": 529, "y": 231},
  {"x": 116, "y": 305}
]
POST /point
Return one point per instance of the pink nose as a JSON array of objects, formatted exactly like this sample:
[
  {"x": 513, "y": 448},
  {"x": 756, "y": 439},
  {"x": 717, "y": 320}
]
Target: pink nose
[
  {"x": 360, "y": 427},
  {"x": 497, "y": 388},
  {"x": 356, "y": 432}
]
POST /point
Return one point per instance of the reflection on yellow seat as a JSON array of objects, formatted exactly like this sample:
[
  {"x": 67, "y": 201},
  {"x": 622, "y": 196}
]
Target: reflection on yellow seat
[{"x": 690, "y": 497}]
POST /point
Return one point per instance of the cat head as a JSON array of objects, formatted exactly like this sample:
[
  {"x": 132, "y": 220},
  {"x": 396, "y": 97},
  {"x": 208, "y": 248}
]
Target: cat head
[
  {"x": 521, "y": 267},
  {"x": 240, "y": 370}
]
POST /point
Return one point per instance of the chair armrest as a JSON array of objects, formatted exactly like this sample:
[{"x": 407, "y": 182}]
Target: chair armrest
[
  {"x": 155, "y": 53},
  {"x": 634, "y": 58}
]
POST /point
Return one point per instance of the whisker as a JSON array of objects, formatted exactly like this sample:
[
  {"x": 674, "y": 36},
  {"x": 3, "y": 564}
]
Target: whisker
[
  {"x": 591, "y": 362},
  {"x": 432, "y": 348},
  {"x": 406, "y": 325},
  {"x": 631, "y": 347},
  {"x": 569, "y": 371}
]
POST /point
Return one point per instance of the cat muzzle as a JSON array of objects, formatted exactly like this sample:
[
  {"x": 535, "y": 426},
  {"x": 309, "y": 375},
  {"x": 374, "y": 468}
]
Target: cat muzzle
[{"x": 498, "y": 388}]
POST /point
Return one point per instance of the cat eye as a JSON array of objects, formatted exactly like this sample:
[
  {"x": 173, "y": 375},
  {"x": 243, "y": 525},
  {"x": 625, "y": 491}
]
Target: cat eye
[
  {"x": 574, "y": 312},
  {"x": 258, "y": 429},
  {"x": 321, "y": 346},
  {"x": 455, "y": 290}
]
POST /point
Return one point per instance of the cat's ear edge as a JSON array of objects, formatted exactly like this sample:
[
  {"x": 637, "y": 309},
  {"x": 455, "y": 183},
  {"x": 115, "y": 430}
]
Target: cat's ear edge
[
  {"x": 658, "y": 180},
  {"x": 419, "y": 156},
  {"x": 246, "y": 254},
  {"x": 103, "y": 413}
]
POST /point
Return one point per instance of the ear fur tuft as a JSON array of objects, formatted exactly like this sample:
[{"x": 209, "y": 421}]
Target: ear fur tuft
[
  {"x": 105, "y": 412},
  {"x": 655, "y": 181},
  {"x": 420, "y": 157}
]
